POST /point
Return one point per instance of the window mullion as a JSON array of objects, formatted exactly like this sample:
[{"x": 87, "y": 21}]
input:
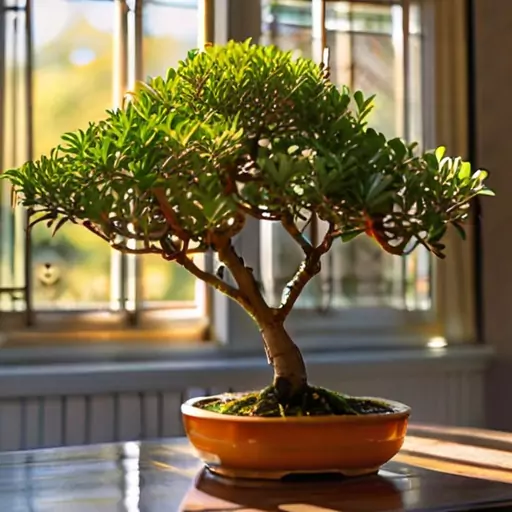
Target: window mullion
[
  {"x": 318, "y": 30},
  {"x": 138, "y": 36},
  {"x": 320, "y": 54},
  {"x": 400, "y": 21},
  {"x": 135, "y": 73},
  {"x": 2, "y": 80},
  {"x": 406, "y": 69},
  {"x": 5, "y": 246},
  {"x": 16, "y": 271},
  {"x": 29, "y": 107},
  {"x": 206, "y": 16},
  {"x": 138, "y": 56},
  {"x": 118, "y": 269},
  {"x": 231, "y": 326}
]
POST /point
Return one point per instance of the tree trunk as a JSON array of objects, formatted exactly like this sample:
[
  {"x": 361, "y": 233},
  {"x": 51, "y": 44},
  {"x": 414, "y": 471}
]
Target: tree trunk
[{"x": 290, "y": 376}]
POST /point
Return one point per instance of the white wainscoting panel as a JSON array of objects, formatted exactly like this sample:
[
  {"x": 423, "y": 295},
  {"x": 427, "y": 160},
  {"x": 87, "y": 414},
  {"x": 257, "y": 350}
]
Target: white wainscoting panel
[{"x": 95, "y": 403}]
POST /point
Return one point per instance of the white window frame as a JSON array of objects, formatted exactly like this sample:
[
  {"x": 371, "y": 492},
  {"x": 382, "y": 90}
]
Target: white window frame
[
  {"x": 168, "y": 324},
  {"x": 231, "y": 329}
]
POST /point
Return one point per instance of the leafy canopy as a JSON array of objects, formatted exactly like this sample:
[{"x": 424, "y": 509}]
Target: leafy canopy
[{"x": 245, "y": 130}]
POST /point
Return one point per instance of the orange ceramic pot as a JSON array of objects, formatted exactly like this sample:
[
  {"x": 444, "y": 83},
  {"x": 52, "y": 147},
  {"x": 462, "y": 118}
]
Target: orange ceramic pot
[{"x": 256, "y": 447}]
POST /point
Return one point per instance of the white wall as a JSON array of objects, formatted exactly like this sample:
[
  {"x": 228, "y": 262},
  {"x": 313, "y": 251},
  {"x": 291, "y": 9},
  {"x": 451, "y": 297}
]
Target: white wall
[{"x": 493, "y": 79}]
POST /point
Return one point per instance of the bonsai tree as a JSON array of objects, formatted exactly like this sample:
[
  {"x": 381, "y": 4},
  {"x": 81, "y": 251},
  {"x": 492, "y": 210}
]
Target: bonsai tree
[{"x": 241, "y": 131}]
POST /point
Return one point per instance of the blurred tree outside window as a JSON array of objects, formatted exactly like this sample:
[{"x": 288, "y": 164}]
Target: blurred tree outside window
[{"x": 73, "y": 67}]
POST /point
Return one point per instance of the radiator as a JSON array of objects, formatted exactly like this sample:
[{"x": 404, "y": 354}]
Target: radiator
[{"x": 79, "y": 404}]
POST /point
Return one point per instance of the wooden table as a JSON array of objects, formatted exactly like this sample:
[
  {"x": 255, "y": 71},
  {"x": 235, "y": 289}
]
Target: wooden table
[{"x": 438, "y": 469}]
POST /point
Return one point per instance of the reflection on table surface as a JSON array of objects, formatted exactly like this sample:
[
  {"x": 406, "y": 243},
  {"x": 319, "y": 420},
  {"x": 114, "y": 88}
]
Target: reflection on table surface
[{"x": 438, "y": 469}]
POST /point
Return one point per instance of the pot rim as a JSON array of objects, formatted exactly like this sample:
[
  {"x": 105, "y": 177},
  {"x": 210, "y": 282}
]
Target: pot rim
[{"x": 402, "y": 411}]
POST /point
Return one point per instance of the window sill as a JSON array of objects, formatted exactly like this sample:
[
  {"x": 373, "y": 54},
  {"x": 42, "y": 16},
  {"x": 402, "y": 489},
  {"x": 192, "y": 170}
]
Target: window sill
[{"x": 71, "y": 329}]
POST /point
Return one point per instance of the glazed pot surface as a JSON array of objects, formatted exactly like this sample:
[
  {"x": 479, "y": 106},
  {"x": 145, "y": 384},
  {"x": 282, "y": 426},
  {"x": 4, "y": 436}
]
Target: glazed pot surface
[{"x": 257, "y": 447}]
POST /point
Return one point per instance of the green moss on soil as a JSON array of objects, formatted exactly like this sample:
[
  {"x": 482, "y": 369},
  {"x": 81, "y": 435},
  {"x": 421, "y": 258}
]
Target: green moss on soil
[{"x": 315, "y": 401}]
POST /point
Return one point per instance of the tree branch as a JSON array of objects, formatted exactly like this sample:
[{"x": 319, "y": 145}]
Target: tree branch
[
  {"x": 213, "y": 281},
  {"x": 244, "y": 277},
  {"x": 169, "y": 213},
  {"x": 232, "y": 189},
  {"x": 308, "y": 269},
  {"x": 257, "y": 213},
  {"x": 181, "y": 258},
  {"x": 256, "y": 305},
  {"x": 314, "y": 228},
  {"x": 147, "y": 249},
  {"x": 195, "y": 250},
  {"x": 292, "y": 229}
]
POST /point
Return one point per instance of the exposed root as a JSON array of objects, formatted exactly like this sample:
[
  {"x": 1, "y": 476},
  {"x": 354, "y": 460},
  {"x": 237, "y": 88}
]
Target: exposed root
[{"x": 315, "y": 401}]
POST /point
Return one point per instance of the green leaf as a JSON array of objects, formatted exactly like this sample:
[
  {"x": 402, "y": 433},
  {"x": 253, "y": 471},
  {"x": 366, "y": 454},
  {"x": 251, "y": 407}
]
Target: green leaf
[
  {"x": 485, "y": 192},
  {"x": 480, "y": 175},
  {"x": 460, "y": 230},
  {"x": 379, "y": 184},
  {"x": 51, "y": 216},
  {"x": 465, "y": 171},
  {"x": 350, "y": 235},
  {"x": 359, "y": 99},
  {"x": 432, "y": 161},
  {"x": 399, "y": 148},
  {"x": 182, "y": 156},
  {"x": 60, "y": 223},
  {"x": 440, "y": 152}
]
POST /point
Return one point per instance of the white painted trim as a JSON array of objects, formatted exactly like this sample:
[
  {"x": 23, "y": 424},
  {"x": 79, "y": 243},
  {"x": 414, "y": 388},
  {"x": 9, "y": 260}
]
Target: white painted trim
[
  {"x": 70, "y": 404},
  {"x": 93, "y": 378}
]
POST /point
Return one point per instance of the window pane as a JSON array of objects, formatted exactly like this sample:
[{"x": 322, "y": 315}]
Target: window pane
[
  {"x": 366, "y": 53},
  {"x": 13, "y": 151},
  {"x": 170, "y": 31},
  {"x": 72, "y": 86}
]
